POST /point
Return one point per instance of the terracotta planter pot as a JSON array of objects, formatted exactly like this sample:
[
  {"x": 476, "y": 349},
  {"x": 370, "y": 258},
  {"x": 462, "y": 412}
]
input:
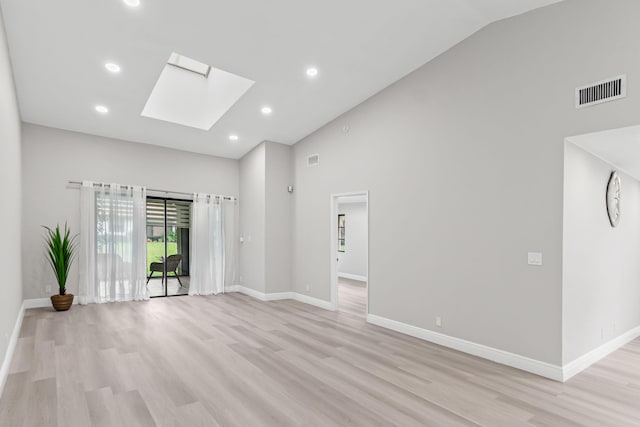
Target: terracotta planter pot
[{"x": 62, "y": 302}]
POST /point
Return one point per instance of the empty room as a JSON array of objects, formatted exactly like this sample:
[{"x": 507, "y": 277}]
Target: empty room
[{"x": 297, "y": 213}]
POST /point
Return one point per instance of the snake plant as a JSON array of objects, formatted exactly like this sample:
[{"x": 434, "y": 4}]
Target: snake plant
[{"x": 61, "y": 250}]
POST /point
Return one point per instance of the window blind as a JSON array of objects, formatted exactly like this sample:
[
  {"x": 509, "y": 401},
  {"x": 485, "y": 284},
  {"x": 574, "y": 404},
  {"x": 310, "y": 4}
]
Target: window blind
[{"x": 178, "y": 213}]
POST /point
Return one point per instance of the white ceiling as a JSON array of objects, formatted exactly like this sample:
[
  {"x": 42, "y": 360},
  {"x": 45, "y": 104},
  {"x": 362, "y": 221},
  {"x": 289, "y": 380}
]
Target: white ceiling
[
  {"x": 58, "y": 50},
  {"x": 620, "y": 147}
]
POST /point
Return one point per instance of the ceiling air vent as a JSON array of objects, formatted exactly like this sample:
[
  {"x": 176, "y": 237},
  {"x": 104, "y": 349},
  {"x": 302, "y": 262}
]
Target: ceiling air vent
[
  {"x": 313, "y": 160},
  {"x": 602, "y": 91}
]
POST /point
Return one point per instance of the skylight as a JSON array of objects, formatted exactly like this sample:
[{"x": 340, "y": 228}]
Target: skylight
[
  {"x": 194, "y": 94},
  {"x": 189, "y": 64}
]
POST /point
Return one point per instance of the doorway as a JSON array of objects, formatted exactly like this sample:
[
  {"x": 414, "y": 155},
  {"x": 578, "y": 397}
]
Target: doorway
[
  {"x": 600, "y": 235},
  {"x": 168, "y": 243},
  {"x": 350, "y": 253}
]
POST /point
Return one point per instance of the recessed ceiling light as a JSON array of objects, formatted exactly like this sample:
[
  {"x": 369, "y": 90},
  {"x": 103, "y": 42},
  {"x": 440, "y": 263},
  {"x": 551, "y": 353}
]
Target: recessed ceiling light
[
  {"x": 102, "y": 109},
  {"x": 114, "y": 68},
  {"x": 132, "y": 3},
  {"x": 312, "y": 72},
  {"x": 233, "y": 137},
  {"x": 266, "y": 110}
]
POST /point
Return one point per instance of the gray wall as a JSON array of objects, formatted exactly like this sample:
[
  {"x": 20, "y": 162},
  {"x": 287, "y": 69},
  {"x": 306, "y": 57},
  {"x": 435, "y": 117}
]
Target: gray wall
[
  {"x": 470, "y": 146},
  {"x": 10, "y": 196},
  {"x": 52, "y": 157},
  {"x": 252, "y": 219},
  {"x": 278, "y": 217},
  {"x": 265, "y": 218},
  {"x": 601, "y": 264},
  {"x": 354, "y": 259}
]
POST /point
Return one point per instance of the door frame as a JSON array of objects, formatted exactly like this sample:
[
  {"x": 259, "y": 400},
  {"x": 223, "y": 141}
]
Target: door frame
[
  {"x": 166, "y": 276},
  {"x": 333, "y": 246}
]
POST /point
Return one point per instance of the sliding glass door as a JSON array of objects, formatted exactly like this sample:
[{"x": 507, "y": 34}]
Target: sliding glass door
[{"x": 168, "y": 238}]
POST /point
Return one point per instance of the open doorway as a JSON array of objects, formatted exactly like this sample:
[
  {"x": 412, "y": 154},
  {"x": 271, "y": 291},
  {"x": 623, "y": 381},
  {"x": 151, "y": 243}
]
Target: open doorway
[
  {"x": 168, "y": 246},
  {"x": 350, "y": 253},
  {"x": 600, "y": 242}
]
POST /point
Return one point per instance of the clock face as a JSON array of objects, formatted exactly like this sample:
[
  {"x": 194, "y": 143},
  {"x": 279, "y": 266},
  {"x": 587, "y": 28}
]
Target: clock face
[{"x": 614, "y": 192}]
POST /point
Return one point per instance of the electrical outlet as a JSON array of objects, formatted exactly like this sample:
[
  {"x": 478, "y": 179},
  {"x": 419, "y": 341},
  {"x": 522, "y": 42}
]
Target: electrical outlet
[
  {"x": 601, "y": 333},
  {"x": 307, "y": 288},
  {"x": 241, "y": 279},
  {"x": 439, "y": 322},
  {"x": 47, "y": 288}
]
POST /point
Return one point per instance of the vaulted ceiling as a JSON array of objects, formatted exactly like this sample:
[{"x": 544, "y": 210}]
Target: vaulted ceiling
[{"x": 59, "y": 50}]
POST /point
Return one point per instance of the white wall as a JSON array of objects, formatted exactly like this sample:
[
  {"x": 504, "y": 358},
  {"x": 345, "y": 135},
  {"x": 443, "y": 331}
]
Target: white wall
[
  {"x": 601, "y": 264},
  {"x": 10, "y": 196},
  {"x": 278, "y": 217},
  {"x": 471, "y": 146},
  {"x": 52, "y": 157},
  {"x": 252, "y": 219},
  {"x": 353, "y": 261}
]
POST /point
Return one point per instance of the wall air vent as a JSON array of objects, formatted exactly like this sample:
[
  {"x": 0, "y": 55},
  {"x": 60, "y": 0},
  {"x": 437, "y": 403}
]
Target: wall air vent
[
  {"x": 602, "y": 91},
  {"x": 313, "y": 160}
]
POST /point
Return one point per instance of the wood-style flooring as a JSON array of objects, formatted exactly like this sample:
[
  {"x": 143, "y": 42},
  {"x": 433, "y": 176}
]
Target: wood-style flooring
[
  {"x": 352, "y": 297},
  {"x": 155, "y": 287},
  {"x": 231, "y": 360}
]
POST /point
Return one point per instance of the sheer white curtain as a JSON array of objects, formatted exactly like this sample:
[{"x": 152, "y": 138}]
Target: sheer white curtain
[
  {"x": 212, "y": 244},
  {"x": 112, "y": 243},
  {"x": 230, "y": 214}
]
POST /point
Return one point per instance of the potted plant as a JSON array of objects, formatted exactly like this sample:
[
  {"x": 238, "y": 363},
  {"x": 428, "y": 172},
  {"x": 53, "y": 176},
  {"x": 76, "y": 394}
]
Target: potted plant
[{"x": 61, "y": 249}]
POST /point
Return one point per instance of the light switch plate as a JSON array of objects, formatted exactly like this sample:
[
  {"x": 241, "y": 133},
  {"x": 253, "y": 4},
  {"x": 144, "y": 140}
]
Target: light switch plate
[{"x": 534, "y": 258}]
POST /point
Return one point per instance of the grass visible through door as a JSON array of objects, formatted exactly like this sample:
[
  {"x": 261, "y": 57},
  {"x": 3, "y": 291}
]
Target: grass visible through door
[{"x": 155, "y": 252}]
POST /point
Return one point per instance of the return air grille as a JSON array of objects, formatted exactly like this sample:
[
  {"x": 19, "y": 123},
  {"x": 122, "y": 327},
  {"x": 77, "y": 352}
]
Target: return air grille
[{"x": 602, "y": 91}]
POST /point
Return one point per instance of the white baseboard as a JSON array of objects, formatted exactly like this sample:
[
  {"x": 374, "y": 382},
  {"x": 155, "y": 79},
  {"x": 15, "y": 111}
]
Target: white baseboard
[
  {"x": 37, "y": 303},
  {"x": 11, "y": 348},
  {"x": 260, "y": 295},
  {"x": 353, "y": 277},
  {"x": 537, "y": 367},
  {"x": 280, "y": 296},
  {"x": 42, "y": 302},
  {"x": 583, "y": 362},
  {"x": 314, "y": 301}
]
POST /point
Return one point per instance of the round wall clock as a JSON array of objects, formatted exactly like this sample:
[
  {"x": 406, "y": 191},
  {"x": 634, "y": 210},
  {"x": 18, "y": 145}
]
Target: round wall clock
[{"x": 614, "y": 191}]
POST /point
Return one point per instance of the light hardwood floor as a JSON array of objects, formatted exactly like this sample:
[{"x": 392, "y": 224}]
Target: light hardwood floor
[
  {"x": 155, "y": 287},
  {"x": 352, "y": 297},
  {"x": 234, "y": 361}
]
